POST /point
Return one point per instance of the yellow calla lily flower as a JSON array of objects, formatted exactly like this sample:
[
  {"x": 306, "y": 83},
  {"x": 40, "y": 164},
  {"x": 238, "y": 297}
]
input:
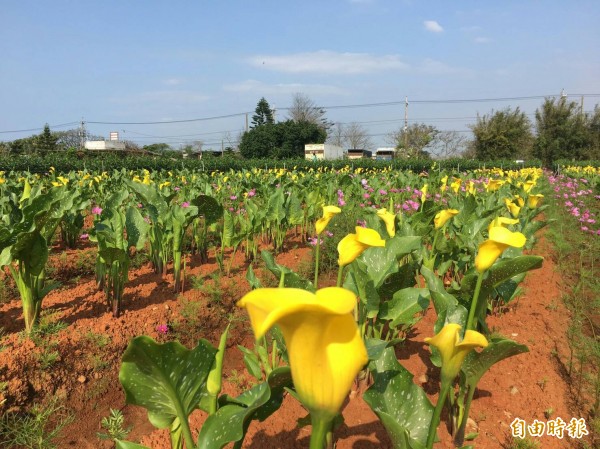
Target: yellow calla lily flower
[
  {"x": 390, "y": 221},
  {"x": 493, "y": 185},
  {"x": 442, "y": 217},
  {"x": 353, "y": 245},
  {"x": 472, "y": 189},
  {"x": 324, "y": 345},
  {"x": 500, "y": 239},
  {"x": 328, "y": 213},
  {"x": 512, "y": 207},
  {"x": 533, "y": 200},
  {"x": 444, "y": 185},
  {"x": 424, "y": 190},
  {"x": 528, "y": 185},
  {"x": 454, "y": 351},
  {"x": 455, "y": 186},
  {"x": 502, "y": 221}
]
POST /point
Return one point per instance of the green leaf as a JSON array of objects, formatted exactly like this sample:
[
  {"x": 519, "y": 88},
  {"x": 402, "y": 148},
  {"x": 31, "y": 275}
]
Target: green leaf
[
  {"x": 477, "y": 363},
  {"x": 231, "y": 421},
  {"x": 252, "y": 279},
  {"x": 404, "y": 305},
  {"x": 382, "y": 262},
  {"x": 401, "y": 405},
  {"x": 251, "y": 361},
  {"x": 137, "y": 228},
  {"x": 292, "y": 280},
  {"x": 129, "y": 445},
  {"x": 208, "y": 207},
  {"x": 166, "y": 379}
]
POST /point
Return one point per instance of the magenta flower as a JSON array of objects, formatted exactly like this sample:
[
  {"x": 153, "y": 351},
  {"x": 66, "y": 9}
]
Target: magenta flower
[
  {"x": 84, "y": 236},
  {"x": 233, "y": 197},
  {"x": 162, "y": 329},
  {"x": 96, "y": 210},
  {"x": 366, "y": 195},
  {"x": 185, "y": 204},
  {"x": 251, "y": 193}
]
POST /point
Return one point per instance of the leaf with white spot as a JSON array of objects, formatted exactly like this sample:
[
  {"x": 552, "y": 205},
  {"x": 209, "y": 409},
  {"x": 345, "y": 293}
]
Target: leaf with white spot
[
  {"x": 402, "y": 406},
  {"x": 166, "y": 379}
]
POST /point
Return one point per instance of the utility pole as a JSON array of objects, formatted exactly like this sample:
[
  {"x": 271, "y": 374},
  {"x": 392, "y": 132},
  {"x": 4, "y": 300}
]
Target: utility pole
[
  {"x": 246, "y": 122},
  {"x": 582, "y": 105},
  {"x": 81, "y": 134},
  {"x": 405, "y": 123},
  {"x": 222, "y": 149}
]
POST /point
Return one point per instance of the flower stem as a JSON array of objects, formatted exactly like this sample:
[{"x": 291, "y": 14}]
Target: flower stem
[
  {"x": 320, "y": 428},
  {"x": 437, "y": 412},
  {"x": 317, "y": 253},
  {"x": 470, "y": 324},
  {"x": 339, "y": 278}
]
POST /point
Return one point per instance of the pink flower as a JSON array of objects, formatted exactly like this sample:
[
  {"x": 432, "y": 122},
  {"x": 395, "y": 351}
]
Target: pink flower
[
  {"x": 139, "y": 205},
  {"x": 84, "y": 236},
  {"x": 361, "y": 223},
  {"x": 96, "y": 210},
  {"x": 366, "y": 195},
  {"x": 162, "y": 329},
  {"x": 185, "y": 204},
  {"x": 329, "y": 233},
  {"x": 341, "y": 202},
  {"x": 251, "y": 193},
  {"x": 382, "y": 192},
  {"x": 177, "y": 189},
  {"x": 233, "y": 197},
  {"x": 584, "y": 228}
]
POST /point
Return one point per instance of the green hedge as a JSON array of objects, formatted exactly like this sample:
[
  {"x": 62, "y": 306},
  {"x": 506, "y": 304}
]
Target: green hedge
[{"x": 65, "y": 162}]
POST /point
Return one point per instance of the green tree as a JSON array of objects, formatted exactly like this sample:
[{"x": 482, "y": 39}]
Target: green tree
[
  {"x": 280, "y": 140},
  {"x": 46, "y": 141},
  {"x": 412, "y": 142},
  {"x": 593, "y": 125},
  {"x": 562, "y": 131},
  {"x": 503, "y": 134},
  {"x": 263, "y": 114}
]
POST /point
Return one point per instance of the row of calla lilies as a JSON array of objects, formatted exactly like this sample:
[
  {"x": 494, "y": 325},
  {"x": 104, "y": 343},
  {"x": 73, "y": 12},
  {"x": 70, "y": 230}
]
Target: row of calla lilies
[{"x": 431, "y": 238}]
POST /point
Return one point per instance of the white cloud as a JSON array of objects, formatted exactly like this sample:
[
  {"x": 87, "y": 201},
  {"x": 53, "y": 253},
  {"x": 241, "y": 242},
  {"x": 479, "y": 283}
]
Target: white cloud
[
  {"x": 254, "y": 86},
  {"x": 173, "y": 81},
  {"x": 329, "y": 62},
  {"x": 482, "y": 40},
  {"x": 433, "y": 26}
]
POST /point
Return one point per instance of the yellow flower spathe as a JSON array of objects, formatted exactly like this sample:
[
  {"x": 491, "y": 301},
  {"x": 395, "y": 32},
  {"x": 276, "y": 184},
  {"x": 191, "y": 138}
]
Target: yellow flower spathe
[
  {"x": 512, "y": 208},
  {"x": 442, "y": 217},
  {"x": 454, "y": 351},
  {"x": 390, "y": 221},
  {"x": 424, "y": 190},
  {"x": 328, "y": 213},
  {"x": 533, "y": 200},
  {"x": 353, "y": 245},
  {"x": 324, "y": 345},
  {"x": 500, "y": 239},
  {"x": 502, "y": 221}
]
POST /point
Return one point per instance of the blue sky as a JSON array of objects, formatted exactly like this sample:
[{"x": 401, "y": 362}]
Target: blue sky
[{"x": 141, "y": 61}]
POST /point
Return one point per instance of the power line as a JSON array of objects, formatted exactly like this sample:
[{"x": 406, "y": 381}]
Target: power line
[
  {"x": 39, "y": 129},
  {"x": 350, "y": 106}
]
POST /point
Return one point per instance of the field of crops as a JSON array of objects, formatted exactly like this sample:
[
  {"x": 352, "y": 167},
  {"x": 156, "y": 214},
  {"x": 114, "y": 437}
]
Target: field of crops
[{"x": 289, "y": 307}]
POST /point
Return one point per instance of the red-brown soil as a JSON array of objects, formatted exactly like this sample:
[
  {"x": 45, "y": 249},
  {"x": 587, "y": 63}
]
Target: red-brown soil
[{"x": 86, "y": 372}]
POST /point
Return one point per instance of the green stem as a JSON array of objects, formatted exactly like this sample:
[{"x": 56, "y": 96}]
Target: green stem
[
  {"x": 339, "y": 278},
  {"x": 460, "y": 435},
  {"x": 320, "y": 428},
  {"x": 474, "y": 303},
  {"x": 317, "y": 253},
  {"x": 435, "y": 419}
]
